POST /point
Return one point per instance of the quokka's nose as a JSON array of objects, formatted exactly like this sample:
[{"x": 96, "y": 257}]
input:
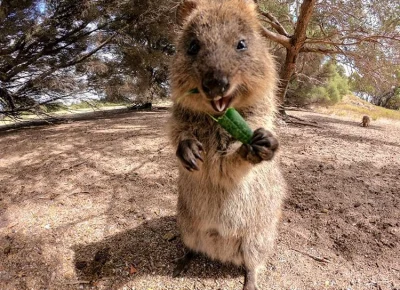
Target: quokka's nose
[{"x": 215, "y": 84}]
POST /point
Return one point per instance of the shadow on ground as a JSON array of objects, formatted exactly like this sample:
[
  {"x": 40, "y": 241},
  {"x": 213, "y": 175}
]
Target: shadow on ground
[
  {"x": 149, "y": 249},
  {"x": 82, "y": 116}
]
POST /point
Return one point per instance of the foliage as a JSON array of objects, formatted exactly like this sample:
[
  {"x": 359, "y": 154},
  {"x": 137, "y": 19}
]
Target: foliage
[
  {"x": 325, "y": 84},
  {"x": 363, "y": 35},
  {"x": 385, "y": 94},
  {"x": 119, "y": 50},
  {"x": 40, "y": 43},
  {"x": 54, "y": 49},
  {"x": 394, "y": 102},
  {"x": 134, "y": 66}
]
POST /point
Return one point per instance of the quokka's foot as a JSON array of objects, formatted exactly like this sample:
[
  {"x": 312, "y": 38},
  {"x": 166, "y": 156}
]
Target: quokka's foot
[
  {"x": 189, "y": 152},
  {"x": 262, "y": 147},
  {"x": 183, "y": 263}
]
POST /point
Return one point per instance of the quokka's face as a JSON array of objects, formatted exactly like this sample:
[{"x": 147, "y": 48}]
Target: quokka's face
[{"x": 221, "y": 54}]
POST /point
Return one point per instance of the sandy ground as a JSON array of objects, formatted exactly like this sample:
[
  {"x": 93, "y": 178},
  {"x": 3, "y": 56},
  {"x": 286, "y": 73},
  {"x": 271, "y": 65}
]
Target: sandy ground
[{"x": 91, "y": 205}]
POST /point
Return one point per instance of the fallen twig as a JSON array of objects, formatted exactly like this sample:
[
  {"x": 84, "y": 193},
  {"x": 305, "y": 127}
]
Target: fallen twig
[
  {"x": 72, "y": 166},
  {"x": 13, "y": 225},
  {"x": 78, "y": 282},
  {"x": 79, "y": 192},
  {"x": 301, "y": 235},
  {"x": 318, "y": 259},
  {"x": 300, "y": 119},
  {"x": 289, "y": 119},
  {"x": 297, "y": 109},
  {"x": 296, "y": 120},
  {"x": 303, "y": 123}
]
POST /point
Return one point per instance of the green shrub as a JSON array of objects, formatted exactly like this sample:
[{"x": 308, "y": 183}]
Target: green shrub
[
  {"x": 53, "y": 107},
  {"x": 325, "y": 86}
]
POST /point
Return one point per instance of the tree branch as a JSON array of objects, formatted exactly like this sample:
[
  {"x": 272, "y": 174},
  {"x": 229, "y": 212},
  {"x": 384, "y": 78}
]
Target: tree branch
[
  {"x": 77, "y": 60},
  {"x": 89, "y": 54},
  {"x": 281, "y": 39},
  {"x": 321, "y": 50},
  {"x": 306, "y": 11},
  {"x": 48, "y": 49},
  {"x": 275, "y": 23},
  {"x": 359, "y": 40}
]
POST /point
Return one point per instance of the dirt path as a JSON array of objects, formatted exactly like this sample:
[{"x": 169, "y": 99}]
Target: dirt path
[{"x": 90, "y": 205}]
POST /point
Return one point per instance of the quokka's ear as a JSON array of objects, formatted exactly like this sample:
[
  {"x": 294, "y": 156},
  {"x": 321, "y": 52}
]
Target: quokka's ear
[{"x": 184, "y": 10}]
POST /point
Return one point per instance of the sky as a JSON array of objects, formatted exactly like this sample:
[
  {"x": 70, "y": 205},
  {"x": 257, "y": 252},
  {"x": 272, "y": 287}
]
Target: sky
[{"x": 41, "y": 6}]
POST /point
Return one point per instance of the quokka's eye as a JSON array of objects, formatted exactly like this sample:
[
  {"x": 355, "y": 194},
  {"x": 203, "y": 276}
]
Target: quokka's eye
[
  {"x": 194, "y": 47},
  {"x": 242, "y": 45}
]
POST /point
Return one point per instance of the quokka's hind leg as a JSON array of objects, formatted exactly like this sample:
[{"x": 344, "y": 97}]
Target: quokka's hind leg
[
  {"x": 250, "y": 279},
  {"x": 183, "y": 263},
  {"x": 251, "y": 264},
  {"x": 255, "y": 250}
]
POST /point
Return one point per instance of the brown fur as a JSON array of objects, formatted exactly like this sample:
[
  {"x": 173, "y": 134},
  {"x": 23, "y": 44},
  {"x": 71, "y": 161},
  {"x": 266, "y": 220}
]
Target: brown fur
[
  {"x": 229, "y": 208},
  {"x": 365, "y": 121}
]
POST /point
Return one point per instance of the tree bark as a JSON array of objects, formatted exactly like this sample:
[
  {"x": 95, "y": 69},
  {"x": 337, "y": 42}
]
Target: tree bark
[
  {"x": 297, "y": 41},
  {"x": 286, "y": 74}
]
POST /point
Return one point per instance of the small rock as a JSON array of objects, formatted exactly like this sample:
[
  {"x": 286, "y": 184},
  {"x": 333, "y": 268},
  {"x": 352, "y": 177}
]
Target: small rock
[
  {"x": 7, "y": 250},
  {"x": 170, "y": 236},
  {"x": 132, "y": 270}
]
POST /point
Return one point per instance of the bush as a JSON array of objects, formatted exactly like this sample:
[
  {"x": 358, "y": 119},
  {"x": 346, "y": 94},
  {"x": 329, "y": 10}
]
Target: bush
[
  {"x": 394, "y": 102},
  {"x": 327, "y": 86},
  {"x": 53, "y": 107}
]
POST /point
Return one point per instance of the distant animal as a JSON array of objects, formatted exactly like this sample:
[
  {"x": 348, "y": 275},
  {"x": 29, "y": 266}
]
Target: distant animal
[
  {"x": 365, "y": 121},
  {"x": 230, "y": 194}
]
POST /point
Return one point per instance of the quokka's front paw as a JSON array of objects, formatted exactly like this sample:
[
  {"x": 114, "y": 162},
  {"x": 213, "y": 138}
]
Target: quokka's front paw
[
  {"x": 188, "y": 152},
  {"x": 262, "y": 147}
]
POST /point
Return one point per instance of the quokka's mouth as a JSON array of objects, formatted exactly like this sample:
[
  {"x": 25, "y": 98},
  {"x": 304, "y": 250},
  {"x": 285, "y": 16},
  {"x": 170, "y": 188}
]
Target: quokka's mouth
[{"x": 220, "y": 104}]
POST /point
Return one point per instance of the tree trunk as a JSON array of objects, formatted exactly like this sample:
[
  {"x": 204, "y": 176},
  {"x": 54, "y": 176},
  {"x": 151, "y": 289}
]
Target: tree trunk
[
  {"x": 297, "y": 41},
  {"x": 286, "y": 74}
]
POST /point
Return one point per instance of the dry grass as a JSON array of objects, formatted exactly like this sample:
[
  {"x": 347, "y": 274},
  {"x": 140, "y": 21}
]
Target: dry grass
[{"x": 354, "y": 107}]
